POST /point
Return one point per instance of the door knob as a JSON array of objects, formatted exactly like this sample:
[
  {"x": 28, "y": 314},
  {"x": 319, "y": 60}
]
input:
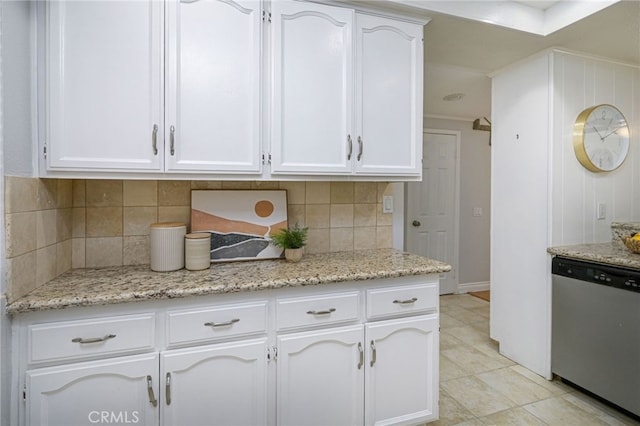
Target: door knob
[{"x": 416, "y": 223}]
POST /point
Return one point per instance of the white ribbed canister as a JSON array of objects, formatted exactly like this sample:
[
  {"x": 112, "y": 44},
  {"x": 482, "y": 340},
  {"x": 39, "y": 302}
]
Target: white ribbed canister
[
  {"x": 167, "y": 246},
  {"x": 197, "y": 251}
]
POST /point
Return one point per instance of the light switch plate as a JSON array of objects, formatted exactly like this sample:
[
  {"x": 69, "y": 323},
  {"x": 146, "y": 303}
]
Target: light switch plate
[
  {"x": 602, "y": 211},
  {"x": 387, "y": 204}
]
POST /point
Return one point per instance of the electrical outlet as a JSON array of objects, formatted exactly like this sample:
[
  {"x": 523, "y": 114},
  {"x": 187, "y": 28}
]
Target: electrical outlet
[
  {"x": 387, "y": 204},
  {"x": 602, "y": 211},
  {"x": 477, "y": 211}
]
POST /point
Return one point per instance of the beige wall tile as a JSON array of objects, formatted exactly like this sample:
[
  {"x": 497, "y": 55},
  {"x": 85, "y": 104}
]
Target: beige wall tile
[
  {"x": 384, "y": 237},
  {"x": 20, "y": 194},
  {"x": 47, "y": 194},
  {"x": 341, "y": 239},
  {"x": 318, "y": 215},
  {"x": 46, "y": 228},
  {"x": 140, "y": 193},
  {"x": 136, "y": 250},
  {"x": 20, "y": 231},
  {"x": 342, "y": 192},
  {"x": 21, "y": 275},
  {"x": 236, "y": 184},
  {"x": 364, "y": 215},
  {"x": 174, "y": 193},
  {"x": 64, "y": 253},
  {"x": 342, "y": 215},
  {"x": 46, "y": 264},
  {"x": 79, "y": 193},
  {"x": 296, "y": 215},
  {"x": 104, "y": 221},
  {"x": 318, "y": 241},
  {"x": 175, "y": 214},
  {"x": 265, "y": 185},
  {"x": 364, "y": 238},
  {"x": 65, "y": 224},
  {"x": 79, "y": 222},
  {"x": 137, "y": 220},
  {"x": 295, "y": 192},
  {"x": 206, "y": 184},
  {"x": 102, "y": 252},
  {"x": 383, "y": 219},
  {"x": 78, "y": 253},
  {"x": 104, "y": 193},
  {"x": 365, "y": 192},
  {"x": 318, "y": 193},
  {"x": 65, "y": 193}
]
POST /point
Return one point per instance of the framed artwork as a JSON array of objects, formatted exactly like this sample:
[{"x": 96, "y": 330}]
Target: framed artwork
[{"x": 240, "y": 222}]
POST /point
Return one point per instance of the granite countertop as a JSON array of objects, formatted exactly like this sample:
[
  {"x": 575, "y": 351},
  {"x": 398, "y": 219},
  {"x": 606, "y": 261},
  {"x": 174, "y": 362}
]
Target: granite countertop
[
  {"x": 103, "y": 286},
  {"x": 612, "y": 253}
]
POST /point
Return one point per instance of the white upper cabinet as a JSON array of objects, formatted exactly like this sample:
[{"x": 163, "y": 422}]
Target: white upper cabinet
[
  {"x": 343, "y": 105},
  {"x": 104, "y": 85},
  {"x": 388, "y": 96},
  {"x": 213, "y": 86},
  {"x": 312, "y": 88}
]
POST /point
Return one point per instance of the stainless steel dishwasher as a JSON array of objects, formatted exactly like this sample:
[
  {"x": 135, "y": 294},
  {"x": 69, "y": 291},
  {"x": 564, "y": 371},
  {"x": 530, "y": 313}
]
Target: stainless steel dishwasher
[{"x": 595, "y": 340}]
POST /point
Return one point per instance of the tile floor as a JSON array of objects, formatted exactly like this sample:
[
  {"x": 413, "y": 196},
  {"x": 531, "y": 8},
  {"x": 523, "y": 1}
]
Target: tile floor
[{"x": 478, "y": 386}]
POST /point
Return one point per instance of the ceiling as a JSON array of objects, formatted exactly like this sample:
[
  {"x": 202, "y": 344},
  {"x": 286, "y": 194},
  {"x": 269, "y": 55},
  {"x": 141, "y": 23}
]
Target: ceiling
[{"x": 461, "y": 52}]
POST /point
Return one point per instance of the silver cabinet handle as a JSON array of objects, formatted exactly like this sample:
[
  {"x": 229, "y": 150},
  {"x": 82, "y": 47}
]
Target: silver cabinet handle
[
  {"x": 172, "y": 132},
  {"x": 360, "y": 148},
  {"x": 154, "y": 139},
  {"x": 82, "y": 340},
  {"x": 373, "y": 353},
  {"x": 152, "y": 397},
  {"x": 222, "y": 324},
  {"x": 350, "y": 147},
  {"x": 167, "y": 389},
  {"x": 327, "y": 312},
  {"x": 406, "y": 302},
  {"x": 361, "y": 363}
]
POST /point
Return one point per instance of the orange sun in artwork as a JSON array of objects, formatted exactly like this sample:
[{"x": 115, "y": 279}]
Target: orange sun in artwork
[{"x": 264, "y": 208}]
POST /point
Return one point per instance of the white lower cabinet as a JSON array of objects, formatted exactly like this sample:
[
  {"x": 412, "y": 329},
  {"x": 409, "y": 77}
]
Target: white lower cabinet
[
  {"x": 119, "y": 390},
  {"x": 347, "y": 354},
  {"x": 320, "y": 377},
  {"x": 223, "y": 384},
  {"x": 401, "y": 378}
]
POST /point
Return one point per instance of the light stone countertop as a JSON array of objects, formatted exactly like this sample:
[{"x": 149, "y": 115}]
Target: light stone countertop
[
  {"x": 612, "y": 253},
  {"x": 103, "y": 286}
]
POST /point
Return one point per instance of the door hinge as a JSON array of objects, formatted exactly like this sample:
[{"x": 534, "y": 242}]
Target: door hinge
[
  {"x": 266, "y": 158},
  {"x": 266, "y": 16},
  {"x": 44, "y": 150},
  {"x": 275, "y": 352},
  {"x": 24, "y": 393}
]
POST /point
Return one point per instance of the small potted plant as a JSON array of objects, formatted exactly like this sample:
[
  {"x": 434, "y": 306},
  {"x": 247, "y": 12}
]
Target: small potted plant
[{"x": 292, "y": 240}]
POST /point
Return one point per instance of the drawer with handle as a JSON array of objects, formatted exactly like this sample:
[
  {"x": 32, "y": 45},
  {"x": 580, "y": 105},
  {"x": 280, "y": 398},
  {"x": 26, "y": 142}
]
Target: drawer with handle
[
  {"x": 392, "y": 301},
  {"x": 74, "y": 340},
  {"x": 300, "y": 312},
  {"x": 214, "y": 323}
]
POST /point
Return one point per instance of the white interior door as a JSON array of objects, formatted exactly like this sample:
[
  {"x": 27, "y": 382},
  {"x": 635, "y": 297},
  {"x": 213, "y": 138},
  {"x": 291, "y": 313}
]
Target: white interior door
[{"x": 432, "y": 205}]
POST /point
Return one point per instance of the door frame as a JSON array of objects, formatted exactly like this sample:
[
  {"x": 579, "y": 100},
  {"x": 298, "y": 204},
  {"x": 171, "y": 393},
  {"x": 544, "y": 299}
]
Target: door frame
[{"x": 456, "y": 219}]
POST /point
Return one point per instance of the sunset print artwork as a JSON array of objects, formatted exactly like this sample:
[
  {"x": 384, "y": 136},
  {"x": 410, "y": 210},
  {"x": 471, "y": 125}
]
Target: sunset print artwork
[{"x": 240, "y": 222}]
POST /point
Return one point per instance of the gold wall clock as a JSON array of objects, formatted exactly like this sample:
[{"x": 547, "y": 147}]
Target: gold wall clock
[{"x": 601, "y": 138}]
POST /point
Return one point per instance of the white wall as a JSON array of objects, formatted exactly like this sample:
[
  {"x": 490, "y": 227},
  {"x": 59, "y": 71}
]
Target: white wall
[
  {"x": 475, "y": 188},
  {"x": 541, "y": 196},
  {"x": 18, "y": 76},
  {"x": 581, "y": 82}
]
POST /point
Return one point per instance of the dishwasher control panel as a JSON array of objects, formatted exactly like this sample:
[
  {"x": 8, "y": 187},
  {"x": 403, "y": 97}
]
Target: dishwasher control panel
[{"x": 622, "y": 278}]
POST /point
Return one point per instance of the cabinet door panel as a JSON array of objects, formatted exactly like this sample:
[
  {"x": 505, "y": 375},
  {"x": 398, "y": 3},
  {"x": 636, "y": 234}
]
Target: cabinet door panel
[
  {"x": 312, "y": 88},
  {"x": 402, "y": 384},
  {"x": 320, "y": 378},
  {"x": 104, "y": 84},
  {"x": 223, "y": 384},
  {"x": 112, "y": 391},
  {"x": 389, "y": 95},
  {"x": 214, "y": 86}
]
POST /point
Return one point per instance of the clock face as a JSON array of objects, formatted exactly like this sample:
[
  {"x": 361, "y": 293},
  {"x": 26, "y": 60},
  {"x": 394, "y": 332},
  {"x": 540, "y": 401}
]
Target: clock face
[{"x": 601, "y": 138}]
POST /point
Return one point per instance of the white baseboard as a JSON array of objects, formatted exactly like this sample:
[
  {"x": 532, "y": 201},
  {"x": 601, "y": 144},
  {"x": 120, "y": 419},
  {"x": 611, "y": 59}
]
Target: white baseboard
[{"x": 468, "y": 287}]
